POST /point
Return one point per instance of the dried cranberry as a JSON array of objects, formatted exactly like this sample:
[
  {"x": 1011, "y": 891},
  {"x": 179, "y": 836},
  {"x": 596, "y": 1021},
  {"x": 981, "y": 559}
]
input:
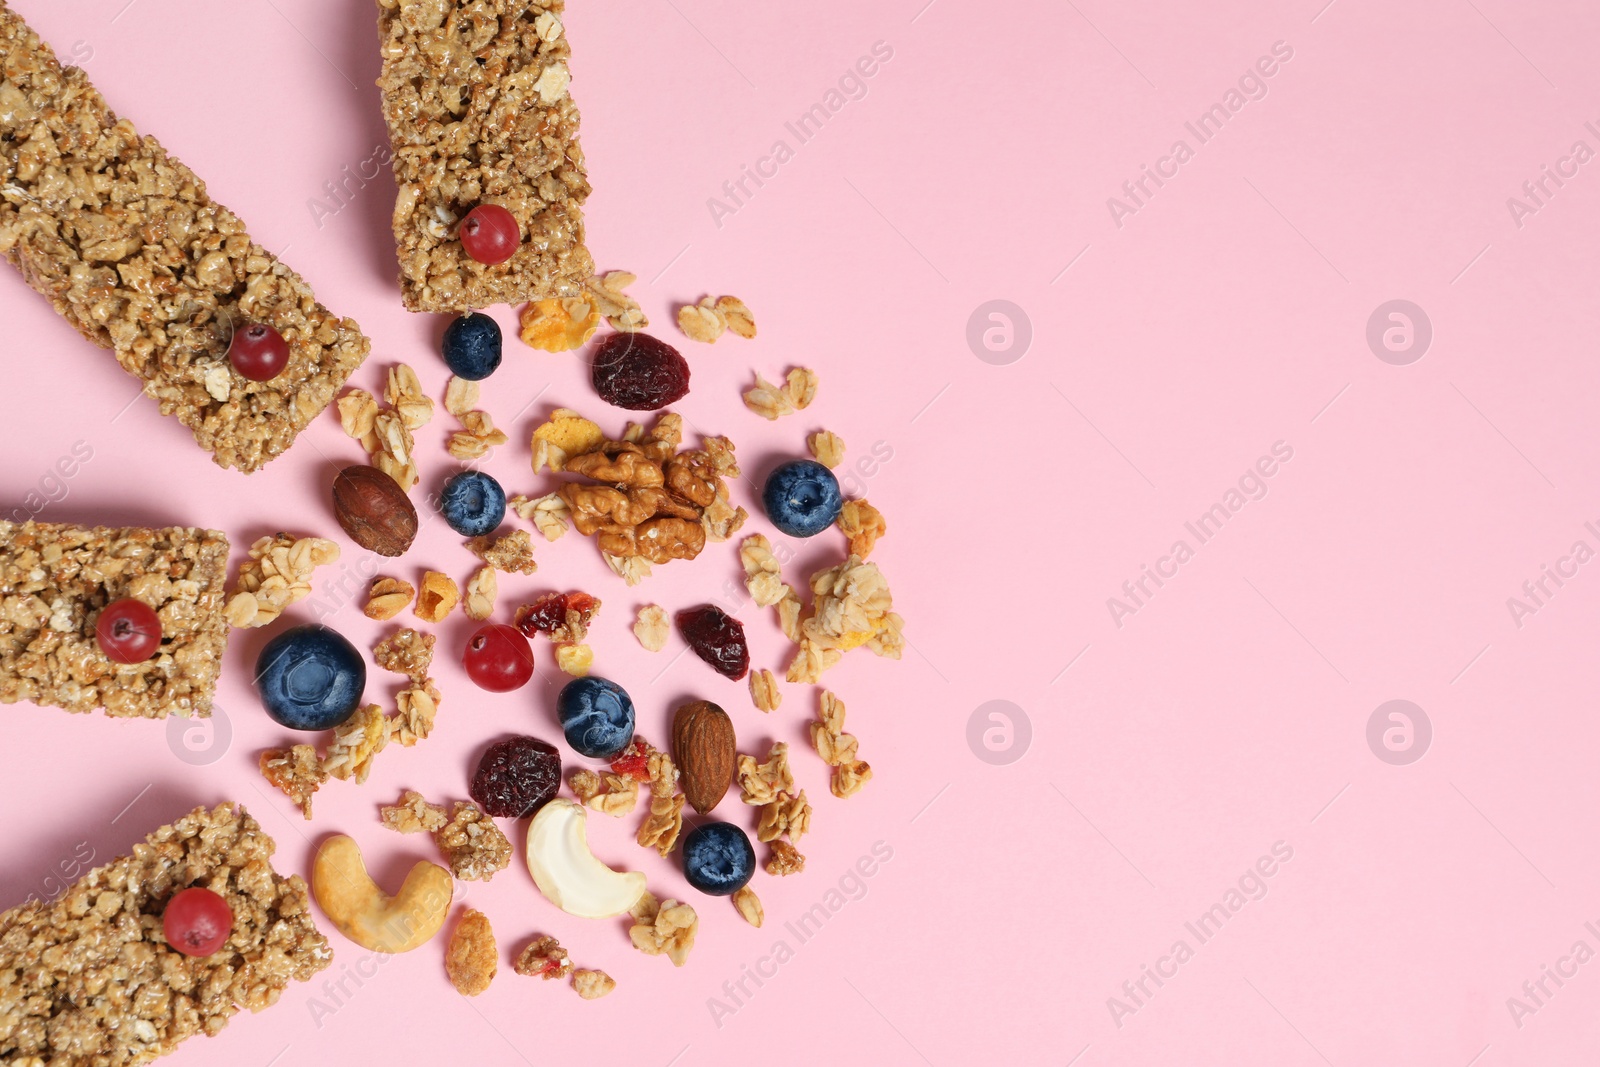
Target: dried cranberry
[
  {"x": 548, "y": 615},
  {"x": 638, "y": 372},
  {"x": 634, "y": 761},
  {"x": 516, "y": 777},
  {"x": 717, "y": 638}
]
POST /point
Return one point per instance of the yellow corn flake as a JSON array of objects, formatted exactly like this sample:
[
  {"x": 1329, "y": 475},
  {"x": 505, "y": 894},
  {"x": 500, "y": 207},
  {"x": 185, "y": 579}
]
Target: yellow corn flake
[
  {"x": 570, "y": 432},
  {"x": 559, "y": 324}
]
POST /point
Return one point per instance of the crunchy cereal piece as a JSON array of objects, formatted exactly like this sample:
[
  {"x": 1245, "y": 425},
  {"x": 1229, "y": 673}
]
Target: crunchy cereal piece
[
  {"x": 785, "y": 814},
  {"x": 355, "y": 744},
  {"x": 404, "y": 393},
  {"x": 564, "y": 435},
  {"x": 763, "y": 577},
  {"x": 646, "y": 908},
  {"x": 471, "y": 959},
  {"x": 863, "y": 524},
  {"x": 702, "y": 322},
  {"x": 620, "y": 797},
  {"x": 472, "y": 844},
  {"x": 592, "y": 985},
  {"x": 296, "y": 771},
  {"x": 90, "y": 977},
  {"x": 849, "y": 777},
  {"x": 586, "y": 785},
  {"x": 721, "y": 520},
  {"x": 769, "y": 401},
  {"x": 407, "y": 652},
  {"x": 357, "y": 410},
  {"x": 498, "y": 126},
  {"x": 548, "y": 513},
  {"x": 388, "y": 597},
  {"x": 620, "y": 310},
  {"x": 559, "y": 324},
  {"x": 827, "y": 732},
  {"x": 437, "y": 598},
  {"x": 460, "y": 395},
  {"x": 482, "y": 588},
  {"x": 670, "y": 930},
  {"x": 543, "y": 957},
  {"x": 631, "y": 569},
  {"x": 661, "y": 827},
  {"x": 392, "y": 448},
  {"x": 761, "y": 783},
  {"x": 851, "y": 606},
  {"x": 652, "y": 627},
  {"x": 738, "y": 318},
  {"x": 660, "y": 771},
  {"x": 415, "y": 709},
  {"x": 277, "y": 574},
  {"x": 764, "y": 690},
  {"x": 801, "y": 386},
  {"x": 476, "y": 436},
  {"x": 827, "y": 448},
  {"x": 413, "y": 814},
  {"x": 512, "y": 553},
  {"x": 575, "y": 659},
  {"x": 785, "y": 859},
  {"x": 749, "y": 907}
]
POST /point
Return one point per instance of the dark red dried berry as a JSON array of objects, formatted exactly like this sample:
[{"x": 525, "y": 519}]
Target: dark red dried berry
[
  {"x": 717, "y": 638},
  {"x": 634, "y": 761},
  {"x": 548, "y": 615},
  {"x": 638, "y": 372},
  {"x": 516, "y": 777}
]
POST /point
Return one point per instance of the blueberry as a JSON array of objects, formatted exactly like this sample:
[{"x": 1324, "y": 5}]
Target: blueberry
[
  {"x": 472, "y": 346},
  {"x": 718, "y": 859},
  {"x": 596, "y": 715},
  {"x": 473, "y": 503},
  {"x": 802, "y": 498},
  {"x": 310, "y": 678}
]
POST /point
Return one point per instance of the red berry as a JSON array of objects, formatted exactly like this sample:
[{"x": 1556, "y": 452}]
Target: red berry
[
  {"x": 717, "y": 638},
  {"x": 639, "y": 372},
  {"x": 258, "y": 352},
  {"x": 128, "y": 631},
  {"x": 489, "y": 234},
  {"x": 197, "y": 921},
  {"x": 633, "y": 761},
  {"x": 498, "y": 658}
]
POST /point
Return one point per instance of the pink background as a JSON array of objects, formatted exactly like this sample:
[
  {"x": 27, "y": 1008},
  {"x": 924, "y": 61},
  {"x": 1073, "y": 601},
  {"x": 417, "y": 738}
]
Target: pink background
[{"x": 1168, "y": 754}]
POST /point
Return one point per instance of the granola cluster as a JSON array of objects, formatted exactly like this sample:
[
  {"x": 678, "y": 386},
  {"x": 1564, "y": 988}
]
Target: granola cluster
[
  {"x": 54, "y": 580},
  {"x": 664, "y": 820},
  {"x": 478, "y": 433},
  {"x": 761, "y": 783},
  {"x": 544, "y": 958},
  {"x": 548, "y": 513},
  {"x": 437, "y": 598},
  {"x": 772, "y": 402},
  {"x": 473, "y": 845},
  {"x": 851, "y": 606},
  {"x": 827, "y": 448},
  {"x": 838, "y": 749},
  {"x": 89, "y": 978},
  {"x": 652, "y": 627},
  {"x": 127, "y": 245},
  {"x": 476, "y": 101},
  {"x": 387, "y": 433},
  {"x": 609, "y": 794},
  {"x": 471, "y": 961},
  {"x": 388, "y": 597},
  {"x": 512, "y": 552},
  {"x": 277, "y": 574},
  {"x": 664, "y": 928}
]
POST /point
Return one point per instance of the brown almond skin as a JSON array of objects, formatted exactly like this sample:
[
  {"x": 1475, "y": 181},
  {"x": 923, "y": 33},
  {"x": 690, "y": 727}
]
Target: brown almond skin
[
  {"x": 705, "y": 750},
  {"x": 374, "y": 510}
]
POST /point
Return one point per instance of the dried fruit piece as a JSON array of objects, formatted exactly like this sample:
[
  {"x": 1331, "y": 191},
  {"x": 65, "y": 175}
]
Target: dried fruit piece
[
  {"x": 652, "y": 627},
  {"x": 559, "y": 324},
  {"x": 516, "y": 777},
  {"x": 592, "y": 985},
  {"x": 543, "y": 958},
  {"x": 638, "y": 372},
  {"x": 716, "y": 637},
  {"x": 562, "y": 617},
  {"x": 471, "y": 960},
  {"x": 634, "y": 761},
  {"x": 388, "y": 597},
  {"x": 437, "y": 598}
]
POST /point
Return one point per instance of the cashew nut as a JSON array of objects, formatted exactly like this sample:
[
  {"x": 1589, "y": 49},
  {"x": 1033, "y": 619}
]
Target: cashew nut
[
  {"x": 365, "y": 913},
  {"x": 568, "y": 874}
]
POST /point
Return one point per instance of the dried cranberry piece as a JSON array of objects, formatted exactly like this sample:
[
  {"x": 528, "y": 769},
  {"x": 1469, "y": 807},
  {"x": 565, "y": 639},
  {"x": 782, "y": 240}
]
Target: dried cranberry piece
[
  {"x": 516, "y": 777},
  {"x": 717, "y": 638},
  {"x": 548, "y": 615},
  {"x": 638, "y": 372},
  {"x": 634, "y": 761}
]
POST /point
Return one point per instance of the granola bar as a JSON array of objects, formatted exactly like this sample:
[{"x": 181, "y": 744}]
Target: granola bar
[
  {"x": 129, "y": 248},
  {"x": 89, "y": 978},
  {"x": 54, "y": 580},
  {"x": 475, "y": 97}
]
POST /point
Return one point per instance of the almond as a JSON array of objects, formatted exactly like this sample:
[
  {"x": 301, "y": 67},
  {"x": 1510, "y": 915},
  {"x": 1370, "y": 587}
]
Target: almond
[
  {"x": 705, "y": 750},
  {"x": 374, "y": 510}
]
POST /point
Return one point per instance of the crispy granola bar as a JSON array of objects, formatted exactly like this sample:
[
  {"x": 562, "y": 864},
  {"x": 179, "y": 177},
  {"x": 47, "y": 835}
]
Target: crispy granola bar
[
  {"x": 89, "y": 979},
  {"x": 475, "y": 96},
  {"x": 54, "y": 580},
  {"x": 125, "y": 242}
]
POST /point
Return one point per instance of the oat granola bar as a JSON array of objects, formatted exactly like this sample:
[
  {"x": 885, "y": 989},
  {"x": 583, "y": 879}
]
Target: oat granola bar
[
  {"x": 54, "y": 580},
  {"x": 88, "y": 979},
  {"x": 124, "y": 241},
  {"x": 475, "y": 96}
]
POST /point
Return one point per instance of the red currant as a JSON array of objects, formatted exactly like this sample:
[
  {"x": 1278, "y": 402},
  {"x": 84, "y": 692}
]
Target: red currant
[
  {"x": 197, "y": 921},
  {"x": 258, "y": 352},
  {"x": 498, "y": 658},
  {"x": 128, "y": 631},
  {"x": 489, "y": 234}
]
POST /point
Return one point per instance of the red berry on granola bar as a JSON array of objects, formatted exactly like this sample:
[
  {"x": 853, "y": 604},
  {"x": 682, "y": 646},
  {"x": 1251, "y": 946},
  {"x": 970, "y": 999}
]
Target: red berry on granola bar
[
  {"x": 489, "y": 234},
  {"x": 128, "y": 631},
  {"x": 197, "y": 921},
  {"x": 258, "y": 352}
]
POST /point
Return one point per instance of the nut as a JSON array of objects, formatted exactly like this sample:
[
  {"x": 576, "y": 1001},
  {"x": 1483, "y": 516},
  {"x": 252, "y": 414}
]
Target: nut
[
  {"x": 365, "y": 913},
  {"x": 568, "y": 874},
  {"x": 373, "y": 509},
  {"x": 705, "y": 750},
  {"x": 471, "y": 960}
]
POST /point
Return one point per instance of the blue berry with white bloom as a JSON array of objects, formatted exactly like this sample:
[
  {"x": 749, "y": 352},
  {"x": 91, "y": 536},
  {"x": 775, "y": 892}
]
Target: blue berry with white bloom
[
  {"x": 718, "y": 858},
  {"x": 802, "y": 498},
  {"x": 472, "y": 503},
  {"x": 310, "y": 678},
  {"x": 472, "y": 346},
  {"x": 596, "y": 715}
]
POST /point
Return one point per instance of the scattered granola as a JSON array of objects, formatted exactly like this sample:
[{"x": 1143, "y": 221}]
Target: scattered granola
[
  {"x": 559, "y": 324},
  {"x": 566, "y": 433},
  {"x": 748, "y": 905},
  {"x": 827, "y": 448},
  {"x": 297, "y": 771},
  {"x": 543, "y": 957},
  {"x": 460, "y": 395},
  {"x": 763, "y": 577},
  {"x": 863, "y": 524},
  {"x": 407, "y": 652},
  {"x": 476, "y": 436},
  {"x": 415, "y": 709},
  {"x": 764, "y": 690},
  {"x": 631, "y": 569},
  {"x": 761, "y": 783},
  {"x": 277, "y": 574},
  {"x": 666, "y": 928},
  {"x": 576, "y": 660},
  {"x": 774, "y": 401},
  {"x": 707, "y": 320},
  {"x": 661, "y": 827},
  {"x": 548, "y": 513},
  {"x": 471, "y": 960},
  {"x": 413, "y": 814},
  {"x": 620, "y": 310},
  {"x": 851, "y": 606},
  {"x": 386, "y": 433},
  {"x": 437, "y": 598},
  {"x": 562, "y": 617},
  {"x": 387, "y": 598},
  {"x": 652, "y": 627},
  {"x": 355, "y": 744},
  {"x": 512, "y": 553},
  {"x": 617, "y": 797},
  {"x": 837, "y": 748},
  {"x": 404, "y": 393},
  {"x": 482, "y": 588},
  {"x": 592, "y": 985},
  {"x": 785, "y": 859},
  {"x": 473, "y": 846},
  {"x": 785, "y": 814},
  {"x": 734, "y": 312}
]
